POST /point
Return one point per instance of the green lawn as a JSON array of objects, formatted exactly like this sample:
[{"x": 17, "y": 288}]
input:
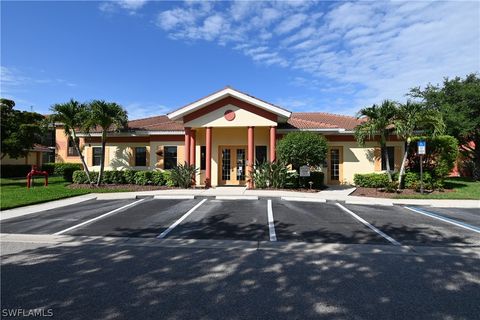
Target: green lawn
[
  {"x": 463, "y": 188},
  {"x": 14, "y": 193}
]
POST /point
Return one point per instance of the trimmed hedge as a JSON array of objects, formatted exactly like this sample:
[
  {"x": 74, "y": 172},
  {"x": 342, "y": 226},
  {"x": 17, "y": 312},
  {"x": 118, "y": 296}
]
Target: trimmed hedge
[
  {"x": 159, "y": 178},
  {"x": 14, "y": 170},
  {"x": 371, "y": 180},
  {"x": 64, "y": 169}
]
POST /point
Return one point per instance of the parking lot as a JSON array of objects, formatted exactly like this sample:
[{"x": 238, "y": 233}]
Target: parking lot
[{"x": 264, "y": 219}]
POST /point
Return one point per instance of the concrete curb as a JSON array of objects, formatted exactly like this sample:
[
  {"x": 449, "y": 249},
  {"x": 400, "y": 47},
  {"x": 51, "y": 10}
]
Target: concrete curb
[
  {"x": 303, "y": 247},
  {"x": 175, "y": 197},
  {"x": 300, "y": 199}
]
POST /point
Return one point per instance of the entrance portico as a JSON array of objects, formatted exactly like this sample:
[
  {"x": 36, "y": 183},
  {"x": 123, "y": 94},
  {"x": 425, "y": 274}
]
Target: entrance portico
[{"x": 225, "y": 133}]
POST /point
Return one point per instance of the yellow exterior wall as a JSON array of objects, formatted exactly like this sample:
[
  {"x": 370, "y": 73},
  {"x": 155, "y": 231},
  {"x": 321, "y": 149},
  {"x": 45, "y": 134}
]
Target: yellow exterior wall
[
  {"x": 30, "y": 159},
  {"x": 357, "y": 159},
  {"x": 243, "y": 118}
]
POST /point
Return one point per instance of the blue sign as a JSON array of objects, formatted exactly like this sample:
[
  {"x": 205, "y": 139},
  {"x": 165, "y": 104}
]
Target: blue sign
[{"x": 422, "y": 146}]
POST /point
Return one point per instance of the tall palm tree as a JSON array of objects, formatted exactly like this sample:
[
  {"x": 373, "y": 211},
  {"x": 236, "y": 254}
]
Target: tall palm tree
[
  {"x": 107, "y": 116},
  {"x": 74, "y": 116},
  {"x": 413, "y": 117},
  {"x": 378, "y": 122}
]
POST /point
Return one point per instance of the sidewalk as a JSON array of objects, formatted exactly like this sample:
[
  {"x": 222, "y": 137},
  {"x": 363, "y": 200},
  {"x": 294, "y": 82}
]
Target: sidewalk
[{"x": 340, "y": 194}]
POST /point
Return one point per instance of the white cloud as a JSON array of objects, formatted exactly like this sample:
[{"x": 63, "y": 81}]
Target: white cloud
[
  {"x": 131, "y": 6},
  {"x": 372, "y": 50},
  {"x": 137, "y": 110}
]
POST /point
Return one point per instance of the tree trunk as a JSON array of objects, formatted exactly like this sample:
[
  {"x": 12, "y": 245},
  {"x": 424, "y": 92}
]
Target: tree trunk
[
  {"x": 82, "y": 158},
  {"x": 102, "y": 158},
  {"x": 402, "y": 168},
  {"x": 387, "y": 162},
  {"x": 476, "y": 159}
]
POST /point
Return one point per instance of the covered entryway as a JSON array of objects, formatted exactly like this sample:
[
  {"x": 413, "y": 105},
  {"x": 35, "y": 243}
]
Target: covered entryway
[{"x": 232, "y": 169}]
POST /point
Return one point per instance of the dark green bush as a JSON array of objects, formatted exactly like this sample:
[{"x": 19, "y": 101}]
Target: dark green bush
[
  {"x": 292, "y": 179},
  {"x": 80, "y": 176},
  {"x": 182, "y": 175},
  {"x": 143, "y": 178},
  {"x": 64, "y": 169},
  {"x": 268, "y": 174},
  {"x": 371, "y": 180},
  {"x": 113, "y": 177},
  {"x": 158, "y": 178},
  {"x": 302, "y": 148},
  {"x": 317, "y": 177},
  {"x": 14, "y": 170},
  {"x": 129, "y": 176}
]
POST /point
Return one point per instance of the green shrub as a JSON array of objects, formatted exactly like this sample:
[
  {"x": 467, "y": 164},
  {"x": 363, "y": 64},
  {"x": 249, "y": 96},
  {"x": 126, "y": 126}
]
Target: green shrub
[
  {"x": 292, "y": 179},
  {"x": 143, "y": 177},
  {"x": 317, "y": 177},
  {"x": 268, "y": 174},
  {"x": 371, "y": 180},
  {"x": 113, "y": 177},
  {"x": 167, "y": 175},
  {"x": 14, "y": 170},
  {"x": 158, "y": 178},
  {"x": 64, "y": 169},
  {"x": 302, "y": 148},
  {"x": 80, "y": 176},
  {"x": 129, "y": 176},
  {"x": 182, "y": 175}
]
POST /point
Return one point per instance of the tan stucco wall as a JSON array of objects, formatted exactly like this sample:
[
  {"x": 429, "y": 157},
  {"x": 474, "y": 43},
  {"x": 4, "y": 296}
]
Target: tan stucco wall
[
  {"x": 30, "y": 159},
  {"x": 243, "y": 118},
  {"x": 61, "y": 152},
  {"x": 357, "y": 159}
]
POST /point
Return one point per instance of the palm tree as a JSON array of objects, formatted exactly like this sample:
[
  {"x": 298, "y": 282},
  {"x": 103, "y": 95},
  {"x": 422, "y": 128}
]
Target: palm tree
[
  {"x": 378, "y": 122},
  {"x": 107, "y": 116},
  {"x": 413, "y": 117},
  {"x": 74, "y": 116}
]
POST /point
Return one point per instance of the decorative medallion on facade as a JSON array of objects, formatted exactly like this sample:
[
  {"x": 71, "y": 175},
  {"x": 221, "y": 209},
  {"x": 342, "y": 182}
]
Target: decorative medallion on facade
[{"x": 229, "y": 115}]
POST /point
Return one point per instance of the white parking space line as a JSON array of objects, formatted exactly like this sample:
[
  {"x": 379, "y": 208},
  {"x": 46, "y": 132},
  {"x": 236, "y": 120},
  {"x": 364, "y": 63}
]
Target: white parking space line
[
  {"x": 271, "y": 223},
  {"x": 99, "y": 217},
  {"x": 176, "y": 223},
  {"x": 444, "y": 219},
  {"x": 390, "y": 239}
]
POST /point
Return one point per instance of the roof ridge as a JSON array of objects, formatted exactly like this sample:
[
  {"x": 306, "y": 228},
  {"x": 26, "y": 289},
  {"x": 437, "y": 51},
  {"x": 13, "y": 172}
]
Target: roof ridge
[
  {"x": 327, "y": 113},
  {"x": 151, "y": 117}
]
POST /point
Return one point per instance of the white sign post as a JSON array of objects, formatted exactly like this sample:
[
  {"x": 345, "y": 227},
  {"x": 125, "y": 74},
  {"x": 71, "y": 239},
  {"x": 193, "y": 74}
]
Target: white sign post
[{"x": 422, "y": 149}]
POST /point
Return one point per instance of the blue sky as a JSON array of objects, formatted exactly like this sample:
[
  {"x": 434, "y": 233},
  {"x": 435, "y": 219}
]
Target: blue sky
[{"x": 153, "y": 57}]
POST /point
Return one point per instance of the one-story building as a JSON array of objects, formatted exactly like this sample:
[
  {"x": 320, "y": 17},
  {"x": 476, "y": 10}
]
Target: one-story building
[{"x": 223, "y": 135}]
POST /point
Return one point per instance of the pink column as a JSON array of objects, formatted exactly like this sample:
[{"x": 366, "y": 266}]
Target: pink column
[
  {"x": 192, "y": 147},
  {"x": 250, "y": 154},
  {"x": 208, "y": 156},
  {"x": 187, "y": 145},
  {"x": 273, "y": 134}
]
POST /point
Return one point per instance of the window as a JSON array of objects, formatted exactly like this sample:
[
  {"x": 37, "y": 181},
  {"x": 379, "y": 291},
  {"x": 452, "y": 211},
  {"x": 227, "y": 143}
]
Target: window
[
  {"x": 96, "y": 156},
  {"x": 71, "y": 151},
  {"x": 203, "y": 157},
  {"x": 140, "y": 156},
  {"x": 391, "y": 158},
  {"x": 170, "y": 157},
  {"x": 334, "y": 164},
  {"x": 260, "y": 154}
]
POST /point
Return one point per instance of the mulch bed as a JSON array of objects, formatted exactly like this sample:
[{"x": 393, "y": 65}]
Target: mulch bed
[
  {"x": 374, "y": 192},
  {"x": 129, "y": 187}
]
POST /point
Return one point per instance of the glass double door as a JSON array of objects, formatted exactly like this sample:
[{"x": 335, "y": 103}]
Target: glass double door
[{"x": 232, "y": 165}]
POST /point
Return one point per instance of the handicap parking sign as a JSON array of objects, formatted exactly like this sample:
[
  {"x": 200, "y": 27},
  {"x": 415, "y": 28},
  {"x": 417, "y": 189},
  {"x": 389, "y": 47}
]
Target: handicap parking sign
[{"x": 422, "y": 146}]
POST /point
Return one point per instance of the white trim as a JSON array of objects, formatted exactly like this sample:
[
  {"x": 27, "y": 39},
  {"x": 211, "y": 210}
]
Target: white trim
[
  {"x": 271, "y": 222},
  {"x": 139, "y": 133},
  {"x": 176, "y": 223},
  {"x": 176, "y": 115}
]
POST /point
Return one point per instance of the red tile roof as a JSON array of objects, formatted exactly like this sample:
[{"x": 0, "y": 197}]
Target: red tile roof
[{"x": 299, "y": 120}]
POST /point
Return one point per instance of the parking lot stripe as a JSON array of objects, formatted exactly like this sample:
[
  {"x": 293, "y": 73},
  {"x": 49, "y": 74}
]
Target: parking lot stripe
[
  {"x": 99, "y": 217},
  {"x": 176, "y": 223},
  {"x": 444, "y": 219},
  {"x": 393, "y": 241},
  {"x": 271, "y": 223}
]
